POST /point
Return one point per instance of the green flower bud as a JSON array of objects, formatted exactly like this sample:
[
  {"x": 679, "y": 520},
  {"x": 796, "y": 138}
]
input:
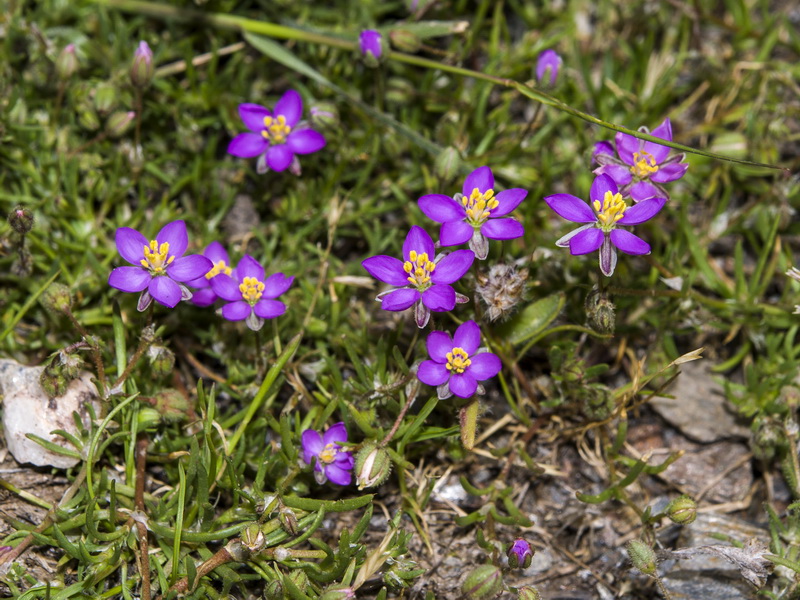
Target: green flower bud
[
  {"x": 299, "y": 579},
  {"x": 324, "y": 115},
  {"x": 69, "y": 364},
  {"x": 148, "y": 418},
  {"x": 142, "y": 66},
  {"x": 162, "y": 360},
  {"x": 53, "y": 382},
  {"x": 21, "y": 219},
  {"x": 67, "y": 62},
  {"x": 520, "y": 554},
  {"x": 405, "y": 40},
  {"x": 56, "y": 298},
  {"x": 253, "y": 538},
  {"x": 483, "y": 583},
  {"x": 682, "y": 510},
  {"x": 597, "y": 402},
  {"x": 105, "y": 98},
  {"x": 373, "y": 465},
  {"x": 171, "y": 404},
  {"x": 400, "y": 91},
  {"x": 273, "y": 590},
  {"x": 642, "y": 557},
  {"x": 288, "y": 519},
  {"x": 118, "y": 123},
  {"x": 528, "y": 592},
  {"x": 600, "y": 312},
  {"x": 338, "y": 592},
  {"x": 88, "y": 119},
  {"x": 447, "y": 164}
]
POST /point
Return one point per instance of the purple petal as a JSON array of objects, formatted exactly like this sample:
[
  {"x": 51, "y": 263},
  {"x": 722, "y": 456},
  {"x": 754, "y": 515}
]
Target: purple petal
[
  {"x": 628, "y": 242},
  {"x": 608, "y": 258},
  {"x": 165, "y": 291},
  {"x": 481, "y": 178},
  {"x": 663, "y": 131},
  {"x": 508, "y": 201},
  {"x": 484, "y": 366},
  {"x": 248, "y": 145},
  {"x": 418, "y": 240},
  {"x": 626, "y": 146},
  {"x": 601, "y": 185},
  {"x": 439, "y": 298},
  {"x": 398, "y": 300},
  {"x": 216, "y": 252},
  {"x": 463, "y": 385},
  {"x": 187, "y": 268},
  {"x": 338, "y": 475},
  {"x": 204, "y": 297},
  {"x": 386, "y": 269},
  {"x": 669, "y": 172},
  {"x": 269, "y": 309},
  {"x": 225, "y": 287},
  {"x": 643, "y": 211},
  {"x": 642, "y": 190},
  {"x": 336, "y": 433},
  {"x": 290, "y": 106},
  {"x": 370, "y": 41},
  {"x": 131, "y": 244},
  {"x": 237, "y": 311},
  {"x": 276, "y": 284},
  {"x": 455, "y": 233},
  {"x": 249, "y": 267},
  {"x": 620, "y": 174},
  {"x": 175, "y": 235},
  {"x": 129, "y": 279},
  {"x": 550, "y": 61},
  {"x": 503, "y": 229},
  {"x": 344, "y": 460},
  {"x": 452, "y": 267},
  {"x": 586, "y": 241},
  {"x": 570, "y": 208},
  {"x": 311, "y": 441},
  {"x": 253, "y": 116},
  {"x": 603, "y": 147},
  {"x": 439, "y": 343},
  {"x": 432, "y": 373},
  {"x": 305, "y": 141},
  {"x": 279, "y": 157},
  {"x": 563, "y": 242},
  {"x": 441, "y": 208},
  {"x": 467, "y": 337}
]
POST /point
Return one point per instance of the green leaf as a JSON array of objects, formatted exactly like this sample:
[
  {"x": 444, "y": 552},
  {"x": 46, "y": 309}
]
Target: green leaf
[{"x": 532, "y": 320}]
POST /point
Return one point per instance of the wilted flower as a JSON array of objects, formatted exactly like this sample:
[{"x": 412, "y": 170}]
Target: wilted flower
[
  {"x": 520, "y": 554},
  {"x": 642, "y": 166},
  {"x": 607, "y": 212},
  {"x": 370, "y": 43},
  {"x": 549, "y": 60},
  {"x": 473, "y": 215},
  {"x": 250, "y": 297},
  {"x": 142, "y": 66},
  {"x": 161, "y": 269},
  {"x": 276, "y": 136},
  {"x": 332, "y": 460},
  {"x": 501, "y": 289},
  {"x": 458, "y": 364},
  {"x": 205, "y": 295},
  {"x": 425, "y": 278}
]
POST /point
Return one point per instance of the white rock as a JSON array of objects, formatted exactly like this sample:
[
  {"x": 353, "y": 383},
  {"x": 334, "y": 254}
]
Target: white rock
[{"x": 27, "y": 409}]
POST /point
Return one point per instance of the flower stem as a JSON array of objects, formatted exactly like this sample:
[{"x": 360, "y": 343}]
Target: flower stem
[
  {"x": 144, "y": 342},
  {"x": 141, "y": 528}
]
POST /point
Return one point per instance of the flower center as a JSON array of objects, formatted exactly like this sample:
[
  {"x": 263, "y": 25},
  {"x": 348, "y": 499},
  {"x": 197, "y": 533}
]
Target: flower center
[
  {"x": 328, "y": 453},
  {"x": 644, "y": 164},
  {"x": 156, "y": 258},
  {"x": 457, "y": 361},
  {"x": 479, "y": 206},
  {"x": 611, "y": 210},
  {"x": 276, "y": 129},
  {"x": 219, "y": 267},
  {"x": 419, "y": 269},
  {"x": 251, "y": 289}
]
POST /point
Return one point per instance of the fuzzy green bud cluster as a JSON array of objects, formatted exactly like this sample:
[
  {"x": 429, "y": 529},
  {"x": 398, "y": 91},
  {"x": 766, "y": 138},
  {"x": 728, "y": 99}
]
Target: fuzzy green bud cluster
[
  {"x": 59, "y": 371},
  {"x": 682, "y": 510},
  {"x": 642, "y": 557},
  {"x": 528, "y": 592},
  {"x": 600, "y": 312},
  {"x": 373, "y": 465},
  {"x": 161, "y": 359},
  {"x": 56, "y": 298},
  {"x": 483, "y": 583}
]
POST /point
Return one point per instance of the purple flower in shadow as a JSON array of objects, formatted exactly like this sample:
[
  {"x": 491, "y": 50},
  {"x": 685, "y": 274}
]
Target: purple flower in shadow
[
  {"x": 605, "y": 212},
  {"x": 204, "y": 295},
  {"x": 520, "y": 554},
  {"x": 548, "y": 61},
  {"x": 251, "y": 297},
  {"x": 458, "y": 364},
  {"x": 642, "y": 166},
  {"x": 275, "y": 137},
  {"x": 161, "y": 269},
  {"x": 472, "y": 216},
  {"x": 422, "y": 279},
  {"x": 332, "y": 461}
]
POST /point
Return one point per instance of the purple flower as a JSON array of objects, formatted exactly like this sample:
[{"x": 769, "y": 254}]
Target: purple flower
[
  {"x": 520, "y": 554},
  {"x": 473, "y": 215},
  {"x": 422, "y": 279},
  {"x": 250, "y": 297},
  {"x": 370, "y": 42},
  {"x": 142, "y": 66},
  {"x": 548, "y": 60},
  {"x": 205, "y": 295},
  {"x": 333, "y": 462},
  {"x": 607, "y": 211},
  {"x": 276, "y": 136},
  {"x": 161, "y": 269},
  {"x": 642, "y": 166},
  {"x": 458, "y": 365}
]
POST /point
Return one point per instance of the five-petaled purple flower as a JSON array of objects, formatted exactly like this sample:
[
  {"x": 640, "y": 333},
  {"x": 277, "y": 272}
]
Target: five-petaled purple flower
[
  {"x": 370, "y": 43},
  {"x": 458, "y": 364},
  {"x": 332, "y": 461},
  {"x": 642, "y": 166},
  {"x": 161, "y": 269},
  {"x": 607, "y": 211},
  {"x": 424, "y": 277},
  {"x": 276, "y": 136},
  {"x": 250, "y": 297},
  {"x": 472, "y": 215},
  {"x": 549, "y": 60},
  {"x": 221, "y": 263}
]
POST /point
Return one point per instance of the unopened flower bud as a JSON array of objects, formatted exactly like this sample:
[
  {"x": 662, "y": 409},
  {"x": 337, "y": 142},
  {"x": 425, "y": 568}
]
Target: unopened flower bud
[
  {"x": 642, "y": 557},
  {"x": 483, "y": 583},
  {"x": 324, "y": 115},
  {"x": 288, "y": 519},
  {"x": 548, "y": 62},
  {"x": 148, "y": 418},
  {"x": 53, "y": 382},
  {"x": 447, "y": 164},
  {"x": 371, "y": 44},
  {"x": 21, "y": 219},
  {"x": 253, "y": 538},
  {"x": 600, "y": 312},
  {"x": 597, "y": 402},
  {"x": 67, "y": 62},
  {"x": 87, "y": 117},
  {"x": 299, "y": 579},
  {"x": 520, "y": 554},
  {"x": 405, "y": 40},
  {"x": 338, "y": 592},
  {"x": 682, "y": 510},
  {"x": 400, "y": 91},
  {"x": 501, "y": 289},
  {"x": 118, "y": 123},
  {"x": 162, "y": 360},
  {"x": 528, "y": 592},
  {"x": 105, "y": 98},
  {"x": 171, "y": 404},
  {"x": 142, "y": 66},
  {"x": 70, "y": 364},
  {"x": 373, "y": 465},
  {"x": 274, "y": 590},
  {"x": 56, "y": 298}
]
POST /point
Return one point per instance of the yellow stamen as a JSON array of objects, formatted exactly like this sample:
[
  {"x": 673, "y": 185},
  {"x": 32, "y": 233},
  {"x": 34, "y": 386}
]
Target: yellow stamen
[
  {"x": 611, "y": 210},
  {"x": 457, "y": 361},
  {"x": 419, "y": 269},
  {"x": 328, "y": 453},
  {"x": 219, "y": 267},
  {"x": 479, "y": 206},
  {"x": 156, "y": 257},
  {"x": 644, "y": 164},
  {"x": 275, "y": 129},
  {"x": 251, "y": 289}
]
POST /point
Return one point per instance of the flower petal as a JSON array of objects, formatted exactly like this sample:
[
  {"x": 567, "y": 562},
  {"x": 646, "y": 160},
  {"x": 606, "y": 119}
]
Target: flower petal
[
  {"x": 629, "y": 243},
  {"x": 338, "y": 475},
  {"x": 467, "y": 337},
  {"x": 305, "y": 141},
  {"x": 165, "y": 291},
  {"x": 481, "y": 178},
  {"x": 439, "y": 343},
  {"x": 129, "y": 279},
  {"x": 508, "y": 200},
  {"x": 290, "y": 106},
  {"x": 216, "y": 252},
  {"x": 432, "y": 373},
  {"x": 335, "y": 433},
  {"x": 503, "y": 229},
  {"x": 204, "y": 297},
  {"x": 248, "y": 145},
  {"x": 419, "y": 241},
  {"x": 276, "y": 284},
  {"x": 398, "y": 300},
  {"x": 642, "y": 211},
  {"x": 237, "y": 311},
  {"x": 626, "y": 146},
  {"x": 190, "y": 267},
  {"x": 601, "y": 185},
  {"x": 642, "y": 190},
  {"x": 279, "y": 157},
  {"x": 225, "y": 287},
  {"x": 586, "y": 241},
  {"x": 441, "y": 208},
  {"x": 439, "y": 298},
  {"x": 311, "y": 442},
  {"x": 484, "y": 366},
  {"x": 669, "y": 172},
  {"x": 608, "y": 258},
  {"x": 175, "y": 235},
  {"x": 455, "y": 233},
  {"x": 452, "y": 267},
  {"x": 663, "y": 131},
  {"x": 131, "y": 244},
  {"x": 386, "y": 269},
  {"x": 603, "y": 147},
  {"x": 570, "y": 208},
  {"x": 269, "y": 309},
  {"x": 252, "y": 116},
  {"x": 563, "y": 241},
  {"x": 619, "y": 173},
  {"x": 463, "y": 384},
  {"x": 249, "y": 267}
]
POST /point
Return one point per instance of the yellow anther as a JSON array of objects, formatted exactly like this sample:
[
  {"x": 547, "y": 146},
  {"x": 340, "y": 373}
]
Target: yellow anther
[
  {"x": 457, "y": 360},
  {"x": 612, "y": 208},
  {"x": 412, "y": 256},
  {"x": 478, "y": 206},
  {"x": 219, "y": 267},
  {"x": 156, "y": 257},
  {"x": 328, "y": 453},
  {"x": 251, "y": 289},
  {"x": 275, "y": 129},
  {"x": 419, "y": 269},
  {"x": 644, "y": 164}
]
